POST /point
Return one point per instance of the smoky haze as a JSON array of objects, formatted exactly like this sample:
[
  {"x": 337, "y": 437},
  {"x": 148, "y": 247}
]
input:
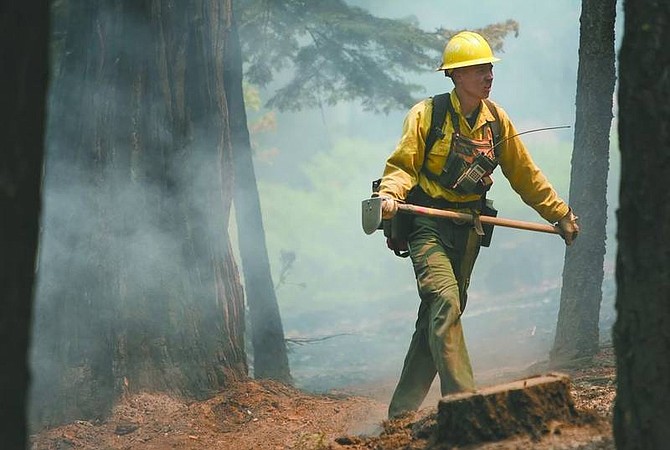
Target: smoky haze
[
  {"x": 316, "y": 166},
  {"x": 313, "y": 170},
  {"x": 131, "y": 221}
]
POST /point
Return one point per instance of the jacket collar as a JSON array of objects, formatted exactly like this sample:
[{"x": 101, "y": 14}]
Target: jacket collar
[{"x": 485, "y": 115}]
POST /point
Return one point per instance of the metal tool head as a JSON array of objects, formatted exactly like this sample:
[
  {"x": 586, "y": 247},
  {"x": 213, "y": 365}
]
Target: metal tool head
[{"x": 371, "y": 209}]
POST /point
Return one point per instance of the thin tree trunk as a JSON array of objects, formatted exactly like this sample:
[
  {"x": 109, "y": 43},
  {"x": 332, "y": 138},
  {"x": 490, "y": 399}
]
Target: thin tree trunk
[
  {"x": 24, "y": 37},
  {"x": 642, "y": 328},
  {"x": 269, "y": 347},
  {"x": 577, "y": 331},
  {"x": 141, "y": 291}
]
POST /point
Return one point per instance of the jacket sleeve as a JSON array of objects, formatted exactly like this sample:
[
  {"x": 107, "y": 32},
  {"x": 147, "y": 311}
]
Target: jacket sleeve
[
  {"x": 401, "y": 172},
  {"x": 525, "y": 177}
]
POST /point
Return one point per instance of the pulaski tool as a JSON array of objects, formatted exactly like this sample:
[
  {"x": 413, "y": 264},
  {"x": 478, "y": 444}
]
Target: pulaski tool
[{"x": 372, "y": 217}]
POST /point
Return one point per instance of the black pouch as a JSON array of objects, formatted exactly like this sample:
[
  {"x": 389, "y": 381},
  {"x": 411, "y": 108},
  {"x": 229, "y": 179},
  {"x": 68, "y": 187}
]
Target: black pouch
[
  {"x": 397, "y": 231},
  {"x": 488, "y": 210},
  {"x": 468, "y": 166}
]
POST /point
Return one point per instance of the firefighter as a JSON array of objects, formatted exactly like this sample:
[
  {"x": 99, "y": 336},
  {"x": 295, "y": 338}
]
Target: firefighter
[{"x": 443, "y": 252}]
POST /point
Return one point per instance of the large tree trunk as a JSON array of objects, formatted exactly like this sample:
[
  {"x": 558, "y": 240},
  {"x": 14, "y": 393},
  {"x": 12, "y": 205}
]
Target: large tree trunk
[
  {"x": 642, "y": 328},
  {"x": 139, "y": 289},
  {"x": 270, "y": 359},
  {"x": 577, "y": 331},
  {"x": 24, "y": 37}
]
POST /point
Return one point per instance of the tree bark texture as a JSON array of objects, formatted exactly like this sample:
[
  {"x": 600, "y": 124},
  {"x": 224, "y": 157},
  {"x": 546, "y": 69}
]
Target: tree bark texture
[
  {"x": 24, "y": 37},
  {"x": 140, "y": 290},
  {"x": 577, "y": 330},
  {"x": 270, "y": 359},
  {"x": 642, "y": 328}
]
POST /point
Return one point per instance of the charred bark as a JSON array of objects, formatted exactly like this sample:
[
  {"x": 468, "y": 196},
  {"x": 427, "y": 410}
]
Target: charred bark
[
  {"x": 577, "y": 331},
  {"x": 642, "y": 328},
  {"x": 24, "y": 37}
]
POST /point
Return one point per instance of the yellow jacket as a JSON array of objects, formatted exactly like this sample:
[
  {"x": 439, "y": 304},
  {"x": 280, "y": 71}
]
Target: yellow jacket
[{"x": 403, "y": 167}]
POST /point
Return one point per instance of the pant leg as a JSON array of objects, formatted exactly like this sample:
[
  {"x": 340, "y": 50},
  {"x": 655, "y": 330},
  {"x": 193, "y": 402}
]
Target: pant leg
[
  {"x": 439, "y": 331},
  {"x": 447, "y": 345},
  {"x": 438, "y": 265},
  {"x": 468, "y": 243},
  {"x": 418, "y": 370}
]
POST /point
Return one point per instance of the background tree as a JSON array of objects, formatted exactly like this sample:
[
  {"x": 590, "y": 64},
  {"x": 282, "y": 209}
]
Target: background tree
[
  {"x": 24, "y": 37},
  {"x": 270, "y": 359},
  {"x": 141, "y": 291},
  {"x": 642, "y": 328},
  {"x": 577, "y": 331}
]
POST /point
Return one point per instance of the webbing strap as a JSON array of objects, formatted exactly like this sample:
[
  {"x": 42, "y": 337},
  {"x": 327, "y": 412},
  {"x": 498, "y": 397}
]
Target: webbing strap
[
  {"x": 442, "y": 104},
  {"x": 495, "y": 126},
  {"x": 436, "y": 121}
]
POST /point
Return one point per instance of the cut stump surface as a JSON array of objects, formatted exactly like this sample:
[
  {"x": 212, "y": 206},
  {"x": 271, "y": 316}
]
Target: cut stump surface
[{"x": 533, "y": 406}]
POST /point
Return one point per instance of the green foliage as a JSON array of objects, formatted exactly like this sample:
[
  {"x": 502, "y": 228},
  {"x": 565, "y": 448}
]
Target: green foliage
[
  {"x": 334, "y": 52},
  {"x": 320, "y": 229}
]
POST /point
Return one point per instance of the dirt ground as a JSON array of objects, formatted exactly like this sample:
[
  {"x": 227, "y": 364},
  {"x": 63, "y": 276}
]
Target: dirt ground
[{"x": 263, "y": 415}]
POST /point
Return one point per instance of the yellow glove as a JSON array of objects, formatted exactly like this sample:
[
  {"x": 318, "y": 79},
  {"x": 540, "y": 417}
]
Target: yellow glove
[
  {"x": 389, "y": 207},
  {"x": 568, "y": 227}
]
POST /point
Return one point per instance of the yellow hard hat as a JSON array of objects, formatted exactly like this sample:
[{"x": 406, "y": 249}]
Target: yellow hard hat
[{"x": 466, "y": 48}]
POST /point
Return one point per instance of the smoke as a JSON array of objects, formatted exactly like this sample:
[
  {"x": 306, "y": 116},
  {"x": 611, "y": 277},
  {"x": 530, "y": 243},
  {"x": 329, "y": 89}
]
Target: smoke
[
  {"x": 349, "y": 286},
  {"x": 341, "y": 285},
  {"x": 113, "y": 233}
]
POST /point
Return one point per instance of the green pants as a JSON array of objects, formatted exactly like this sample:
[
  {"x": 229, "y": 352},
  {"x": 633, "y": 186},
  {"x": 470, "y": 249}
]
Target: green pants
[{"x": 443, "y": 254}]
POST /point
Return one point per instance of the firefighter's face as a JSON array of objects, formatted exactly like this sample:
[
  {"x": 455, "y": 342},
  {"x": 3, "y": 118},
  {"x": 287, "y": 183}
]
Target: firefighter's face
[{"x": 476, "y": 81}]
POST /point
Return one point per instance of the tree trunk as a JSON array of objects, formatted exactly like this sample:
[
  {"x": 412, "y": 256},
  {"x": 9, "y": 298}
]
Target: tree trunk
[
  {"x": 269, "y": 346},
  {"x": 24, "y": 37},
  {"x": 641, "y": 331},
  {"x": 139, "y": 288},
  {"x": 577, "y": 331}
]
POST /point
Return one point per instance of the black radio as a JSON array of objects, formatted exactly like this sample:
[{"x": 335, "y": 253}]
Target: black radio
[{"x": 469, "y": 180}]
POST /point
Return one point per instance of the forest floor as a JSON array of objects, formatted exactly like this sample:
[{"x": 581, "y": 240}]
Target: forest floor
[{"x": 252, "y": 415}]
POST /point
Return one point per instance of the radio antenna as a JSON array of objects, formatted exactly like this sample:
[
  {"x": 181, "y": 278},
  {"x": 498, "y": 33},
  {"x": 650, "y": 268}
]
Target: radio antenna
[{"x": 532, "y": 131}]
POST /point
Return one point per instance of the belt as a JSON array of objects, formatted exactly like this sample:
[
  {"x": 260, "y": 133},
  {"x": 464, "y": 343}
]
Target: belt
[{"x": 418, "y": 196}]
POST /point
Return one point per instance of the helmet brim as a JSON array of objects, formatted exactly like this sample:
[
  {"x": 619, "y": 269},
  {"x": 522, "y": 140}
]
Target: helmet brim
[{"x": 472, "y": 62}]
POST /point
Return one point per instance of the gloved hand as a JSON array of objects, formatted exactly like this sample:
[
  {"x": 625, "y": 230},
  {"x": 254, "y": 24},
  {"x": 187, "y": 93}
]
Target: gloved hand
[
  {"x": 389, "y": 207},
  {"x": 568, "y": 227}
]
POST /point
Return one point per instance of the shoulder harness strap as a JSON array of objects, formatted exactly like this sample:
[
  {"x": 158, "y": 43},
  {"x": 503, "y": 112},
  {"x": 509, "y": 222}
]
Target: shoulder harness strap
[
  {"x": 495, "y": 126},
  {"x": 441, "y": 103}
]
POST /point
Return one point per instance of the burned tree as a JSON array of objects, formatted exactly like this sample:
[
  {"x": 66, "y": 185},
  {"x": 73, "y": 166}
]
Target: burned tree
[
  {"x": 641, "y": 331},
  {"x": 577, "y": 331},
  {"x": 138, "y": 286},
  {"x": 270, "y": 357},
  {"x": 24, "y": 37}
]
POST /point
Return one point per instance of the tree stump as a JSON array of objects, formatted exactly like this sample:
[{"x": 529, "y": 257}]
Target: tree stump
[{"x": 531, "y": 406}]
